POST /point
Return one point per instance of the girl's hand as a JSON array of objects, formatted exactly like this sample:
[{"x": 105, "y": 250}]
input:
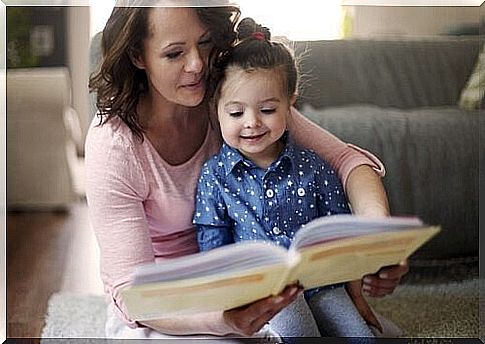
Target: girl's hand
[
  {"x": 249, "y": 319},
  {"x": 385, "y": 280}
]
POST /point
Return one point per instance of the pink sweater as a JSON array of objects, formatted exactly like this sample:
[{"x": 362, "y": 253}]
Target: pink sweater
[{"x": 141, "y": 207}]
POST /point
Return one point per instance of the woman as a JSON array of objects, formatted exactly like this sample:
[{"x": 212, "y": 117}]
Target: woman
[{"x": 143, "y": 161}]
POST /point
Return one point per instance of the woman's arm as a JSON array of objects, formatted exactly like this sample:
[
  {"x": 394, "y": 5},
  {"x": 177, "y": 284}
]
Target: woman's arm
[
  {"x": 366, "y": 193},
  {"x": 115, "y": 191},
  {"x": 360, "y": 172},
  {"x": 368, "y": 198},
  {"x": 343, "y": 157}
]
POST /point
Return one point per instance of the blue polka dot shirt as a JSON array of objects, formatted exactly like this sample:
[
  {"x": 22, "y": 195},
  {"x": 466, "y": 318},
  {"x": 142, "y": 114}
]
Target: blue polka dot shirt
[{"x": 237, "y": 200}]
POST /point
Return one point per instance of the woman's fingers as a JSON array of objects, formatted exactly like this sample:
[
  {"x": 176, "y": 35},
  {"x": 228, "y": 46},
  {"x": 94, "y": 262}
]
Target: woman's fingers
[
  {"x": 394, "y": 271},
  {"x": 249, "y": 319},
  {"x": 275, "y": 305},
  {"x": 385, "y": 280}
]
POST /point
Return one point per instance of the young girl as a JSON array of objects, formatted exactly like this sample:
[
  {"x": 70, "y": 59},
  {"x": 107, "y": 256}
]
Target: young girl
[{"x": 261, "y": 186}]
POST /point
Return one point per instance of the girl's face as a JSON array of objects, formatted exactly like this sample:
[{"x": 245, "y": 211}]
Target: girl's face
[
  {"x": 175, "y": 55},
  {"x": 253, "y": 111}
]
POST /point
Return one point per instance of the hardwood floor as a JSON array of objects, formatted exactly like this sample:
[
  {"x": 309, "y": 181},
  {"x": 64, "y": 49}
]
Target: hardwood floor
[{"x": 47, "y": 253}]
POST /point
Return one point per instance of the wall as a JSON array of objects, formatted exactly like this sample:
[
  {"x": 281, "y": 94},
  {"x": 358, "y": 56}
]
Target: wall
[
  {"x": 78, "y": 33},
  {"x": 415, "y": 21}
]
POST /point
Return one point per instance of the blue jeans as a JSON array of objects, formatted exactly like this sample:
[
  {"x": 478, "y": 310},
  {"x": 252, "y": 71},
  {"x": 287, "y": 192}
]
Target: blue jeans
[{"x": 326, "y": 312}]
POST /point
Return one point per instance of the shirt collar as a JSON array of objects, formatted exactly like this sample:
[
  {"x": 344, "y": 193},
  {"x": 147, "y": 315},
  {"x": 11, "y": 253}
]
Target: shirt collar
[{"x": 232, "y": 157}]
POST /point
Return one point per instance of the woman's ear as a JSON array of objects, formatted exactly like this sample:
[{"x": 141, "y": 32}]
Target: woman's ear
[
  {"x": 293, "y": 99},
  {"x": 137, "y": 59}
]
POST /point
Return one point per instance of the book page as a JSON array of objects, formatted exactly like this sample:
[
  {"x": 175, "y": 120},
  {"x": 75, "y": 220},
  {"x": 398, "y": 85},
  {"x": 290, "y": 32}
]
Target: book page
[
  {"x": 230, "y": 258},
  {"x": 328, "y": 228}
]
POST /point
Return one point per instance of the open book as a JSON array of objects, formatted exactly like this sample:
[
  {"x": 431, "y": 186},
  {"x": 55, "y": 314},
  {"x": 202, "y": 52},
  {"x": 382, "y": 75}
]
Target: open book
[{"x": 325, "y": 251}]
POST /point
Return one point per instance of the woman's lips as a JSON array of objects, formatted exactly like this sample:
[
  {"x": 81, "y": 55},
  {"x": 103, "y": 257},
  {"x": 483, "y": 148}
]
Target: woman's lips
[{"x": 193, "y": 85}]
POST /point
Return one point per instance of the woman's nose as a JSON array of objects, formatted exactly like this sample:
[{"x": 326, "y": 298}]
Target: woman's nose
[{"x": 195, "y": 62}]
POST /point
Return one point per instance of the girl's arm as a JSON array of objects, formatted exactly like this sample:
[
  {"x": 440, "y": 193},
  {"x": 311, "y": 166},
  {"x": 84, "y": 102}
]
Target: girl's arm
[{"x": 214, "y": 227}]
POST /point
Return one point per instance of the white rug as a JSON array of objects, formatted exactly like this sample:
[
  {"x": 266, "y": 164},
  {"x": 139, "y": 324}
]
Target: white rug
[
  {"x": 436, "y": 310},
  {"x": 75, "y": 316}
]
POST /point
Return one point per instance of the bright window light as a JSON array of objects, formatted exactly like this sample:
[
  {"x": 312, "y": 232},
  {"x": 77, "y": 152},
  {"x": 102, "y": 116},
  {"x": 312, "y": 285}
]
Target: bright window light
[
  {"x": 100, "y": 12},
  {"x": 297, "y": 20}
]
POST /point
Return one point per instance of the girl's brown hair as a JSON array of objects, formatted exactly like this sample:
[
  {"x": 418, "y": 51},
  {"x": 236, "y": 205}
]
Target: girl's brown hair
[
  {"x": 119, "y": 83},
  {"x": 254, "y": 50}
]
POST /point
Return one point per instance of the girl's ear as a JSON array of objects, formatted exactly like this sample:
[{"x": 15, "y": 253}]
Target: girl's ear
[
  {"x": 293, "y": 99},
  {"x": 137, "y": 59}
]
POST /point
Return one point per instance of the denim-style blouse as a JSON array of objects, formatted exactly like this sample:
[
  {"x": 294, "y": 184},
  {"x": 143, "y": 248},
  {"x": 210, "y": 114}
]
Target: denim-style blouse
[{"x": 236, "y": 200}]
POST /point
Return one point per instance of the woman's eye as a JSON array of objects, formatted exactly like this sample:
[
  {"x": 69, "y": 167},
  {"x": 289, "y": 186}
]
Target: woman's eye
[
  {"x": 173, "y": 55},
  {"x": 268, "y": 110},
  {"x": 206, "y": 41}
]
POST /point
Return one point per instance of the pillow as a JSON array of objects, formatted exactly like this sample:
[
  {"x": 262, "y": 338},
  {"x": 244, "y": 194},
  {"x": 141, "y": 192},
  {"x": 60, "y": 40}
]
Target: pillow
[{"x": 472, "y": 95}]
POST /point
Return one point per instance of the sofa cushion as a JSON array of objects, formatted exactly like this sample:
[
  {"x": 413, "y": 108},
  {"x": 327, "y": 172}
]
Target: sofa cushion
[
  {"x": 431, "y": 158},
  {"x": 389, "y": 73}
]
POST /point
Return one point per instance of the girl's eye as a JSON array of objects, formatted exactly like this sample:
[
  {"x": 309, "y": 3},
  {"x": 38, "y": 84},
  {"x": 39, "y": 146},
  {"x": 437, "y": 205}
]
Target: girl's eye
[
  {"x": 268, "y": 110},
  {"x": 236, "y": 114},
  {"x": 173, "y": 55}
]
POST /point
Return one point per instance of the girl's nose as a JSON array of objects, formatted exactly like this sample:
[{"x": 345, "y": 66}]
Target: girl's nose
[
  {"x": 195, "y": 62},
  {"x": 251, "y": 120}
]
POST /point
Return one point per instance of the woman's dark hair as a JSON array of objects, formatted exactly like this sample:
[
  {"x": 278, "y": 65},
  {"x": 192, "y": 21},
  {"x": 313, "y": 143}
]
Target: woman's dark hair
[
  {"x": 255, "y": 49},
  {"x": 119, "y": 83}
]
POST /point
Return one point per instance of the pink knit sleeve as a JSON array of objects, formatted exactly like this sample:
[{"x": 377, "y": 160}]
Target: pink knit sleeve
[
  {"x": 342, "y": 156},
  {"x": 115, "y": 189}
]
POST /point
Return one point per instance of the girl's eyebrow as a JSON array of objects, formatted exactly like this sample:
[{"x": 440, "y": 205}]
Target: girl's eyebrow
[
  {"x": 203, "y": 36},
  {"x": 272, "y": 99},
  {"x": 235, "y": 102},
  {"x": 232, "y": 102}
]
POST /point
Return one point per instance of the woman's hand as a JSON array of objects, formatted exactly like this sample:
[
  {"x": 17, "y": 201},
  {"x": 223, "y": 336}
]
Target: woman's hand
[
  {"x": 368, "y": 198},
  {"x": 385, "y": 280},
  {"x": 249, "y": 319}
]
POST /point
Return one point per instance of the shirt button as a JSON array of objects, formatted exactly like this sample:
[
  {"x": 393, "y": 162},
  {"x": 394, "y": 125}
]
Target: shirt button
[
  {"x": 276, "y": 230},
  {"x": 301, "y": 192},
  {"x": 269, "y": 193}
]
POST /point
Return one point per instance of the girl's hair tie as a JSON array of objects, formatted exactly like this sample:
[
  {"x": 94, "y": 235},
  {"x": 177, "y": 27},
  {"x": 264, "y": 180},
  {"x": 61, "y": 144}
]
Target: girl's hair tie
[{"x": 258, "y": 35}]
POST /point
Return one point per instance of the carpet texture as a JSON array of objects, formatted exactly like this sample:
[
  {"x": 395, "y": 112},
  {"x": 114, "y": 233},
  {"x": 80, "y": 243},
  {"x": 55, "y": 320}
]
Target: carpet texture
[
  {"x": 421, "y": 310},
  {"x": 75, "y": 316},
  {"x": 436, "y": 310}
]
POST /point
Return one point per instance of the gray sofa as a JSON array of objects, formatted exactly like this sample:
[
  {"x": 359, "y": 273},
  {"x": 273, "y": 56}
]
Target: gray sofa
[{"x": 397, "y": 98}]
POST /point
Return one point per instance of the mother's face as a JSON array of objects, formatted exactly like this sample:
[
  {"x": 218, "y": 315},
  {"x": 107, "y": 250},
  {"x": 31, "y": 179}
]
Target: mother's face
[{"x": 175, "y": 55}]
